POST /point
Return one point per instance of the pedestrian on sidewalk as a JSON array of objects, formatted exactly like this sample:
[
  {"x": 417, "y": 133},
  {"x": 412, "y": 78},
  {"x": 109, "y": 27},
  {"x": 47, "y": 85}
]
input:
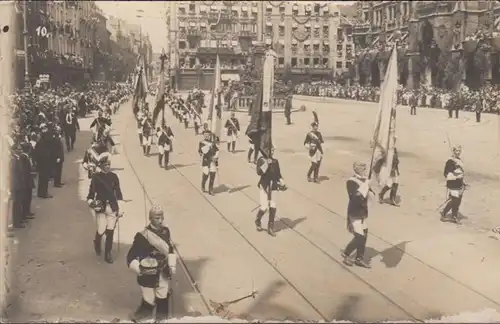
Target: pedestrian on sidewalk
[
  {"x": 44, "y": 161},
  {"x": 357, "y": 213},
  {"x": 103, "y": 197},
  {"x": 27, "y": 169},
  {"x": 153, "y": 259},
  {"x": 59, "y": 156}
]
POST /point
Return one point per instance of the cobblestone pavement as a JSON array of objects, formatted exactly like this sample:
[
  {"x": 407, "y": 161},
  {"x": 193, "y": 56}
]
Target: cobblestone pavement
[{"x": 421, "y": 268}]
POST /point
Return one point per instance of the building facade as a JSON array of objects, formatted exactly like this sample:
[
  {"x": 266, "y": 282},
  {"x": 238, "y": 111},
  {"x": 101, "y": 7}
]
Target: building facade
[
  {"x": 310, "y": 38},
  {"x": 441, "y": 44}
]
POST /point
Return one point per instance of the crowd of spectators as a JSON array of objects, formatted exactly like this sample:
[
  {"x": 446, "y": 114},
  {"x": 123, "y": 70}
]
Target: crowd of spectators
[
  {"x": 426, "y": 96},
  {"x": 40, "y": 119}
]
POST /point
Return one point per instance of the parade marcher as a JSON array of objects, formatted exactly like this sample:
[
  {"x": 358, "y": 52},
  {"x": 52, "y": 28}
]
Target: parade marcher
[
  {"x": 197, "y": 123},
  {"x": 59, "y": 157},
  {"x": 413, "y": 103},
  {"x": 270, "y": 182},
  {"x": 44, "y": 161},
  {"x": 393, "y": 181},
  {"x": 147, "y": 134},
  {"x": 479, "y": 107},
  {"x": 455, "y": 185},
  {"x": 93, "y": 157},
  {"x": 103, "y": 197},
  {"x": 232, "y": 129},
  {"x": 252, "y": 150},
  {"x": 153, "y": 259},
  {"x": 140, "y": 118},
  {"x": 209, "y": 153},
  {"x": 100, "y": 122},
  {"x": 165, "y": 139},
  {"x": 313, "y": 143},
  {"x": 69, "y": 127},
  {"x": 357, "y": 212},
  {"x": 288, "y": 110}
]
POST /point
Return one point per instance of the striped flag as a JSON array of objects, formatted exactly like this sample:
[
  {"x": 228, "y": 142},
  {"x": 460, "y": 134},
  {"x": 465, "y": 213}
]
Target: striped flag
[
  {"x": 160, "y": 92},
  {"x": 215, "y": 113},
  {"x": 139, "y": 92},
  {"x": 384, "y": 134},
  {"x": 260, "y": 127}
]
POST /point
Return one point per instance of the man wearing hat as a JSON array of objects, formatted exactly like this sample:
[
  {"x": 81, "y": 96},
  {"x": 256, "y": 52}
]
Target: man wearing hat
[
  {"x": 313, "y": 143},
  {"x": 165, "y": 138},
  {"x": 70, "y": 126},
  {"x": 270, "y": 182},
  {"x": 147, "y": 133},
  {"x": 103, "y": 197},
  {"x": 209, "y": 153},
  {"x": 358, "y": 190},
  {"x": 455, "y": 185},
  {"x": 153, "y": 259},
  {"x": 232, "y": 127},
  {"x": 44, "y": 160},
  {"x": 58, "y": 150}
]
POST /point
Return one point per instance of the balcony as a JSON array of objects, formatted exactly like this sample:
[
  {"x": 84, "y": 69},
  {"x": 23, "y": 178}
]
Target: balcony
[{"x": 247, "y": 34}]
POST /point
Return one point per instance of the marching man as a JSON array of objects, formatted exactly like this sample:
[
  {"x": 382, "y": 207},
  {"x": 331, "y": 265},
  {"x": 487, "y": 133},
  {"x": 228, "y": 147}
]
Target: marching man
[
  {"x": 94, "y": 155},
  {"x": 152, "y": 258},
  {"x": 165, "y": 139},
  {"x": 455, "y": 185},
  {"x": 70, "y": 127},
  {"x": 232, "y": 129},
  {"x": 209, "y": 153},
  {"x": 271, "y": 181},
  {"x": 393, "y": 181},
  {"x": 358, "y": 190},
  {"x": 313, "y": 142},
  {"x": 103, "y": 197},
  {"x": 147, "y": 133},
  {"x": 140, "y": 118}
]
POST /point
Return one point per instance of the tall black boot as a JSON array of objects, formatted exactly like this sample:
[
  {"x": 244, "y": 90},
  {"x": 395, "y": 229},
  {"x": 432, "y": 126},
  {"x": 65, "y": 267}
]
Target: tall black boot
[
  {"x": 144, "y": 149},
  {"x": 167, "y": 159},
  {"x": 160, "y": 157},
  {"x": 233, "y": 146},
  {"x": 108, "y": 245},
  {"x": 228, "y": 146},
  {"x": 310, "y": 172},
  {"x": 140, "y": 139},
  {"x": 204, "y": 178},
  {"x": 162, "y": 311},
  {"x": 270, "y": 224},
  {"x": 148, "y": 150},
  {"x": 97, "y": 243},
  {"x": 258, "y": 219},
  {"x": 249, "y": 156},
  {"x": 394, "y": 191},
  {"x": 211, "y": 183},
  {"x": 382, "y": 193},
  {"x": 316, "y": 171},
  {"x": 144, "y": 312}
]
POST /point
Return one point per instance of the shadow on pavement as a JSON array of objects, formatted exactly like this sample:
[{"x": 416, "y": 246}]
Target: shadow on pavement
[
  {"x": 239, "y": 188},
  {"x": 180, "y": 165},
  {"x": 391, "y": 256},
  {"x": 263, "y": 308},
  {"x": 57, "y": 274},
  {"x": 284, "y": 223},
  {"x": 347, "y": 310}
]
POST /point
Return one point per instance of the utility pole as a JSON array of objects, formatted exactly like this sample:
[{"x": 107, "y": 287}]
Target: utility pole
[{"x": 27, "y": 84}]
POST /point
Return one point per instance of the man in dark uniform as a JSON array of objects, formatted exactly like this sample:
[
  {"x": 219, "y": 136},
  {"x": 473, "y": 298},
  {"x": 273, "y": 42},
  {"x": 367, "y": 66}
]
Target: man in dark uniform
[
  {"x": 479, "y": 107},
  {"x": 393, "y": 181},
  {"x": 153, "y": 259},
  {"x": 357, "y": 213},
  {"x": 455, "y": 185},
  {"x": 232, "y": 127},
  {"x": 103, "y": 197},
  {"x": 59, "y": 156},
  {"x": 100, "y": 122},
  {"x": 44, "y": 161},
  {"x": 288, "y": 110},
  {"x": 270, "y": 182},
  {"x": 70, "y": 126},
  {"x": 147, "y": 134},
  {"x": 209, "y": 153},
  {"x": 413, "y": 103},
  {"x": 313, "y": 143},
  {"x": 165, "y": 139},
  {"x": 93, "y": 156}
]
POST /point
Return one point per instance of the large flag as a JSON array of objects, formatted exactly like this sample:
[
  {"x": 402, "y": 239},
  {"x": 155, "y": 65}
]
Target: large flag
[
  {"x": 260, "y": 127},
  {"x": 384, "y": 134},
  {"x": 160, "y": 93},
  {"x": 215, "y": 113},
  {"x": 139, "y": 92}
]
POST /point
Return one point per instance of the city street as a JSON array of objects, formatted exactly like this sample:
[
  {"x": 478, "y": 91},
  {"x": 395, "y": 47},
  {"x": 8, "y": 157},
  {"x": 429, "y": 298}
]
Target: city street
[{"x": 422, "y": 268}]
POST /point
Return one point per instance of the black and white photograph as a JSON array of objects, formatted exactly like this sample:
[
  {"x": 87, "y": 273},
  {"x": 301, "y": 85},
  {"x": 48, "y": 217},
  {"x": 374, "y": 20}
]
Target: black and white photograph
[{"x": 250, "y": 161}]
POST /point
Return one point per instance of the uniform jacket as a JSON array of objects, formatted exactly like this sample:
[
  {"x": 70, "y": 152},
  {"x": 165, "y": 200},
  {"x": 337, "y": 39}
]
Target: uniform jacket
[
  {"x": 165, "y": 138},
  {"x": 58, "y": 148},
  {"x": 100, "y": 122},
  {"x": 106, "y": 188},
  {"x": 271, "y": 177},
  {"x": 451, "y": 165},
  {"x": 147, "y": 127},
  {"x": 73, "y": 124},
  {"x": 232, "y": 125},
  {"x": 141, "y": 249},
  {"x": 44, "y": 153},
  {"x": 357, "y": 207},
  {"x": 212, "y": 152},
  {"x": 315, "y": 141}
]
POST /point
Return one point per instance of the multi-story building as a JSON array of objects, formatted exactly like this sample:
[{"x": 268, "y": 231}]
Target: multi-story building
[
  {"x": 310, "y": 38},
  {"x": 441, "y": 43}
]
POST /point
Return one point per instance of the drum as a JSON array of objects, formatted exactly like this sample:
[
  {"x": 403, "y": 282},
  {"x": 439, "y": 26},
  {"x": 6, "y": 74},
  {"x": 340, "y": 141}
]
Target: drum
[{"x": 149, "y": 265}]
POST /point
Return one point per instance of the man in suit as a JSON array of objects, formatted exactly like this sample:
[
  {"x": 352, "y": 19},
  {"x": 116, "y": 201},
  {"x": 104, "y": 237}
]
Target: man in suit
[
  {"x": 59, "y": 157},
  {"x": 44, "y": 161}
]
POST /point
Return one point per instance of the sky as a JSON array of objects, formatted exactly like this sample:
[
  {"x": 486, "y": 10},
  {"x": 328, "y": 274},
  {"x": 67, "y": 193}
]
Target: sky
[{"x": 152, "y": 21}]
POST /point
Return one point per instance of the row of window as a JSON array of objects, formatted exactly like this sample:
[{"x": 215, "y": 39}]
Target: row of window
[
  {"x": 306, "y": 62},
  {"x": 308, "y": 10}
]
